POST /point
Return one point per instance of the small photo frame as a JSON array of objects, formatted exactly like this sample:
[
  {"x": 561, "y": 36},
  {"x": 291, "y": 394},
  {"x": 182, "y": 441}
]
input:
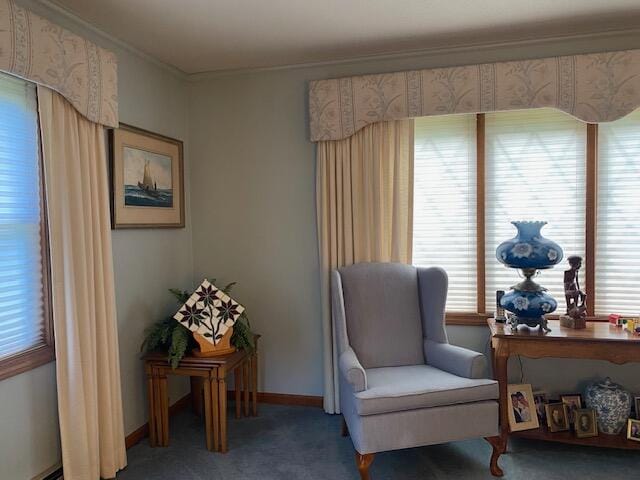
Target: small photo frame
[
  {"x": 633, "y": 430},
  {"x": 573, "y": 403},
  {"x": 522, "y": 411},
  {"x": 540, "y": 400},
  {"x": 585, "y": 424},
  {"x": 637, "y": 404},
  {"x": 557, "y": 418}
]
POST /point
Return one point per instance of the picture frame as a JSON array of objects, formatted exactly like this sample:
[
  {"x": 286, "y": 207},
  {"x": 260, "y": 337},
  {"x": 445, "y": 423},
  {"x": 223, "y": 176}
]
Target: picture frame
[
  {"x": 586, "y": 423},
  {"x": 633, "y": 430},
  {"x": 540, "y": 400},
  {"x": 637, "y": 406},
  {"x": 522, "y": 412},
  {"x": 557, "y": 417},
  {"x": 573, "y": 402},
  {"x": 147, "y": 179}
]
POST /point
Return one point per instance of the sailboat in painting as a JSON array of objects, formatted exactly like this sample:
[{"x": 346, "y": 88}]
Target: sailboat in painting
[
  {"x": 148, "y": 185},
  {"x": 148, "y": 179}
]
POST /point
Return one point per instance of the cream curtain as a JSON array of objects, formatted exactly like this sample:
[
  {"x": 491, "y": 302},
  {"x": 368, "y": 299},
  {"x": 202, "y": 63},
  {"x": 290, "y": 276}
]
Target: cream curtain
[
  {"x": 87, "y": 363},
  {"x": 364, "y": 188}
]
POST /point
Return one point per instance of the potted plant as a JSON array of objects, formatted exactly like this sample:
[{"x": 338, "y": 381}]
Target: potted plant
[{"x": 174, "y": 338}]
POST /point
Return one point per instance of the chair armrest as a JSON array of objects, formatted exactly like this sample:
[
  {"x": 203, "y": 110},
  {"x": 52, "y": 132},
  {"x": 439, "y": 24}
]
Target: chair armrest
[
  {"x": 352, "y": 370},
  {"x": 457, "y": 360}
]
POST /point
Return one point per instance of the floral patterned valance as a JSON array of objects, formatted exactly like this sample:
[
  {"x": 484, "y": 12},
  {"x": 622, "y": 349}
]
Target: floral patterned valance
[
  {"x": 37, "y": 50},
  {"x": 598, "y": 87}
]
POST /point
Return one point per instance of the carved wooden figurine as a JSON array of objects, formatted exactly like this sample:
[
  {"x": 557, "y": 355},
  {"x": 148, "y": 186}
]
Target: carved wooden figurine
[{"x": 575, "y": 297}]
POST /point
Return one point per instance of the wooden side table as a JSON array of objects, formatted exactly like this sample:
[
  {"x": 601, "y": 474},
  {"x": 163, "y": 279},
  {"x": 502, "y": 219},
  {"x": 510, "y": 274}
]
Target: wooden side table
[
  {"x": 599, "y": 341},
  {"x": 210, "y": 376}
]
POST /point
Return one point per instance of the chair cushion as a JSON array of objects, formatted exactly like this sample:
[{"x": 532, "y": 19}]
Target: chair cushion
[
  {"x": 394, "y": 389},
  {"x": 382, "y": 313}
]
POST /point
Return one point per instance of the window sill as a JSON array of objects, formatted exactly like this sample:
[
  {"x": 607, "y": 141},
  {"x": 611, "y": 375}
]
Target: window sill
[
  {"x": 25, "y": 361},
  {"x": 480, "y": 319}
]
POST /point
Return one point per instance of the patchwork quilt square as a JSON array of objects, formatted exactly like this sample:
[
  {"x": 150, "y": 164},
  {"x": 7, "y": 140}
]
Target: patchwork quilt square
[{"x": 209, "y": 312}]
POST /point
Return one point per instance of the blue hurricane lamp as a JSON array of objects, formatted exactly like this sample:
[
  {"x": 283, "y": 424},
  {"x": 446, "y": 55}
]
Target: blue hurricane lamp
[{"x": 529, "y": 252}]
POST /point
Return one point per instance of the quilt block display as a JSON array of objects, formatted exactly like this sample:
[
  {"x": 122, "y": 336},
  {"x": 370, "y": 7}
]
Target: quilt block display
[{"x": 209, "y": 312}]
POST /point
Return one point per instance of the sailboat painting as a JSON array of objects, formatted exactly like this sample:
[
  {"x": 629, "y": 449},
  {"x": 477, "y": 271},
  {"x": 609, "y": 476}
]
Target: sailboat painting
[{"x": 147, "y": 179}]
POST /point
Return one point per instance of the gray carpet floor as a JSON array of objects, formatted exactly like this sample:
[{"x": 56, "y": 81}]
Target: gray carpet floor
[{"x": 303, "y": 443}]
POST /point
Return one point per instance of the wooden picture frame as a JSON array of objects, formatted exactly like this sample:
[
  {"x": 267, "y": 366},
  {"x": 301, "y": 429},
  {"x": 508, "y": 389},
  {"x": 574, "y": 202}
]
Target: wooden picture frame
[
  {"x": 633, "y": 430},
  {"x": 637, "y": 405},
  {"x": 522, "y": 410},
  {"x": 557, "y": 417},
  {"x": 573, "y": 402},
  {"x": 147, "y": 179},
  {"x": 585, "y": 423}
]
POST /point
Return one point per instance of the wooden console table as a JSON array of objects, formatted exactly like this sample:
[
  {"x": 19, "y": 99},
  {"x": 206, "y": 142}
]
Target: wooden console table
[
  {"x": 208, "y": 374},
  {"x": 599, "y": 341}
]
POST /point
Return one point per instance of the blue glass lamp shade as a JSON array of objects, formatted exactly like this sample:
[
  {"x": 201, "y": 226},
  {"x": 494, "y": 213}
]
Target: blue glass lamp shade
[
  {"x": 530, "y": 252},
  {"x": 529, "y": 249}
]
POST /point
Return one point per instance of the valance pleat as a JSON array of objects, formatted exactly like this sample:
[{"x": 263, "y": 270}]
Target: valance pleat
[
  {"x": 594, "y": 88},
  {"x": 35, "y": 49}
]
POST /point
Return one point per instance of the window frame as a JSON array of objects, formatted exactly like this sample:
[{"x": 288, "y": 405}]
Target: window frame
[
  {"x": 480, "y": 316},
  {"x": 44, "y": 352}
]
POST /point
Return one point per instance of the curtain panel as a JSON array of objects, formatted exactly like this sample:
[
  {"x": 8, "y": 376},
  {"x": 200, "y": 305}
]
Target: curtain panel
[
  {"x": 40, "y": 51},
  {"x": 84, "y": 307},
  {"x": 599, "y": 87},
  {"x": 364, "y": 189}
]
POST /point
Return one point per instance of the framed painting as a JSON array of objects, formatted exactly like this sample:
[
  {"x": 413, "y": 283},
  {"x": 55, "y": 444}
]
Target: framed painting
[{"x": 147, "y": 179}]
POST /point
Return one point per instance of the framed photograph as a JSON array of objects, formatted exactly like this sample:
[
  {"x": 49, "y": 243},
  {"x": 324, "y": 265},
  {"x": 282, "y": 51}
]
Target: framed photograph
[
  {"x": 147, "y": 179},
  {"x": 557, "y": 419},
  {"x": 540, "y": 399},
  {"x": 585, "y": 423},
  {"x": 637, "y": 404},
  {"x": 522, "y": 414},
  {"x": 633, "y": 430},
  {"x": 573, "y": 403}
]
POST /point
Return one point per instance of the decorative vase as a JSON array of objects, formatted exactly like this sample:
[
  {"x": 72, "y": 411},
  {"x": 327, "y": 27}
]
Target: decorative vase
[
  {"x": 612, "y": 404},
  {"x": 530, "y": 252},
  {"x": 529, "y": 249},
  {"x": 208, "y": 349}
]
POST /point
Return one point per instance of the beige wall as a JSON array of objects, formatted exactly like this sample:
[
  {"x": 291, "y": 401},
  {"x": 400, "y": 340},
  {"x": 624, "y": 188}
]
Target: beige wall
[
  {"x": 253, "y": 197},
  {"x": 147, "y": 263}
]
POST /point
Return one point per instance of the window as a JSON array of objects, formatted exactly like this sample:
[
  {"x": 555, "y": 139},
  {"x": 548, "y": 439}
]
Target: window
[
  {"x": 444, "y": 168},
  {"x": 617, "y": 275},
  {"x": 25, "y": 321},
  {"x": 476, "y": 173},
  {"x": 535, "y": 170}
]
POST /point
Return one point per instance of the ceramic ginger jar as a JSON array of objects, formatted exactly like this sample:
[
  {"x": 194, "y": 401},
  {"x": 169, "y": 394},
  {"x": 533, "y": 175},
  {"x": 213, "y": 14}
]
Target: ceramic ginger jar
[{"x": 612, "y": 404}]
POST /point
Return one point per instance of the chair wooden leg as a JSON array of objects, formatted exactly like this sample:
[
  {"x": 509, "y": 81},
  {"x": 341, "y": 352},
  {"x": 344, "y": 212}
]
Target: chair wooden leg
[
  {"x": 363, "y": 462},
  {"x": 499, "y": 445},
  {"x": 345, "y": 430}
]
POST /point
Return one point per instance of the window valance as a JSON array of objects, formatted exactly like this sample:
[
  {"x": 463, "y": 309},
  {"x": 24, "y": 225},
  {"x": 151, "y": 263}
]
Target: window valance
[
  {"x": 37, "y": 50},
  {"x": 594, "y": 88}
]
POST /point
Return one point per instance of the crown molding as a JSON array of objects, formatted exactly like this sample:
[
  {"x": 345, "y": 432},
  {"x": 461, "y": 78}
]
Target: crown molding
[
  {"x": 55, "y": 7},
  {"x": 394, "y": 55},
  {"x": 426, "y": 52}
]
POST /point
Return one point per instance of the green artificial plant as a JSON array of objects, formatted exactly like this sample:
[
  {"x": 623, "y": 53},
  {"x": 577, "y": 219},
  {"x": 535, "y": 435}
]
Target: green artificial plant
[{"x": 176, "y": 339}]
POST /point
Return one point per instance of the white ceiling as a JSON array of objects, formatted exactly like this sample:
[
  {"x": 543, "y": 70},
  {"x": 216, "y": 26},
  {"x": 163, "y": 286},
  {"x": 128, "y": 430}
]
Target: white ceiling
[{"x": 208, "y": 35}]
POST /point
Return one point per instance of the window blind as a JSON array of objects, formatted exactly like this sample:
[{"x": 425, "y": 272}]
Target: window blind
[
  {"x": 617, "y": 286},
  {"x": 444, "y": 224},
  {"x": 21, "y": 301},
  {"x": 535, "y": 170}
]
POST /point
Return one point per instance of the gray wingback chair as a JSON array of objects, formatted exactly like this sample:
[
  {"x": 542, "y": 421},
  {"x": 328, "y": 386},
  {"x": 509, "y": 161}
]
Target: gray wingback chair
[{"x": 402, "y": 384}]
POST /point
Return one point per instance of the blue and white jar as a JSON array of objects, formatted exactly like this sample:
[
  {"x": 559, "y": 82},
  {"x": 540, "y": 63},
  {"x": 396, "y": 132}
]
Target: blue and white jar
[{"x": 612, "y": 404}]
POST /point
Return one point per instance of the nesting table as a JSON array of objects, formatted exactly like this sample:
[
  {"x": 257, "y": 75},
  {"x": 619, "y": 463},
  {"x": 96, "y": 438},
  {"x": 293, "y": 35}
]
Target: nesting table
[{"x": 208, "y": 392}]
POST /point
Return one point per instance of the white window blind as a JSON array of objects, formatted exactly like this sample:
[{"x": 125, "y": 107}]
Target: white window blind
[
  {"x": 21, "y": 302},
  {"x": 444, "y": 225},
  {"x": 618, "y": 225},
  {"x": 535, "y": 170}
]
